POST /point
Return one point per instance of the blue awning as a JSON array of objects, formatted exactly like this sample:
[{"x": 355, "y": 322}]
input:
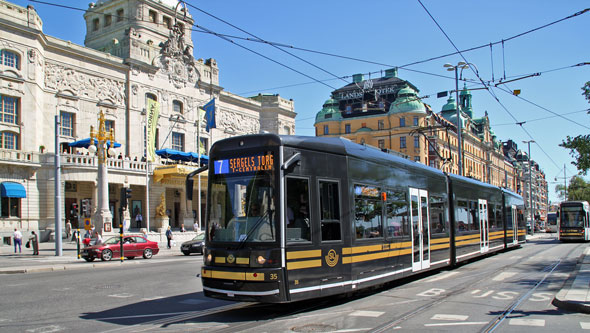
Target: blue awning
[
  {"x": 177, "y": 155},
  {"x": 12, "y": 190},
  {"x": 85, "y": 143}
]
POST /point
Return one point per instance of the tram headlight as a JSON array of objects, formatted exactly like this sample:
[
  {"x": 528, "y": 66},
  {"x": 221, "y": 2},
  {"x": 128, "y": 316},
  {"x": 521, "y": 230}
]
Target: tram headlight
[
  {"x": 261, "y": 260},
  {"x": 208, "y": 259}
]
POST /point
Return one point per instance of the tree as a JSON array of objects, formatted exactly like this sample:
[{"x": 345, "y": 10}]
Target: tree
[
  {"x": 580, "y": 145},
  {"x": 578, "y": 189}
]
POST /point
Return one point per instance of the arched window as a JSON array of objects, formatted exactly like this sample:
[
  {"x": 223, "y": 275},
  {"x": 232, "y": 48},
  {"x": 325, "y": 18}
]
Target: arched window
[
  {"x": 10, "y": 59},
  {"x": 8, "y": 140},
  {"x": 151, "y": 96},
  {"x": 177, "y": 106}
]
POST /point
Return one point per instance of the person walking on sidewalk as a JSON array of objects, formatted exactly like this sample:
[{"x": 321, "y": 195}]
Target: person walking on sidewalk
[
  {"x": 34, "y": 243},
  {"x": 68, "y": 229},
  {"x": 169, "y": 236},
  {"x": 18, "y": 240}
]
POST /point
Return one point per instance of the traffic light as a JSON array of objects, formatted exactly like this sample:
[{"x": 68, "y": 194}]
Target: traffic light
[
  {"x": 85, "y": 208},
  {"x": 125, "y": 194},
  {"x": 74, "y": 210}
]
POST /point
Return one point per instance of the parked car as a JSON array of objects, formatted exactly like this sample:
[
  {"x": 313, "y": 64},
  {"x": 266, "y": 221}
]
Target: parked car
[
  {"x": 133, "y": 246},
  {"x": 195, "y": 245}
]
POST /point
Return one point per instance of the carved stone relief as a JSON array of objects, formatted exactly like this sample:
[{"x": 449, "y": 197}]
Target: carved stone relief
[
  {"x": 237, "y": 122},
  {"x": 58, "y": 77}
]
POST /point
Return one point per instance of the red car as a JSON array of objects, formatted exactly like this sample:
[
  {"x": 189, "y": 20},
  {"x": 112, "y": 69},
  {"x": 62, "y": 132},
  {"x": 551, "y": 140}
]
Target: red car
[{"x": 133, "y": 246}]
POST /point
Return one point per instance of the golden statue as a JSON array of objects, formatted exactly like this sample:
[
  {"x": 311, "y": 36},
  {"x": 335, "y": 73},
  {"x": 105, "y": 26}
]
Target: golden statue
[{"x": 161, "y": 208}]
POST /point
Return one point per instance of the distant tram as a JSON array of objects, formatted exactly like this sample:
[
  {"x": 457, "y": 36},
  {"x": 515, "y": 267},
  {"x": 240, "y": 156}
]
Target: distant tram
[
  {"x": 292, "y": 218},
  {"x": 574, "y": 217},
  {"x": 551, "y": 224}
]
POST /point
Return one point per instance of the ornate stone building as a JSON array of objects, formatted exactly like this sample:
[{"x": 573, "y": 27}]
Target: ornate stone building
[
  {"x": 387, "y": 112},
  {"x": 134, "y": 50}
]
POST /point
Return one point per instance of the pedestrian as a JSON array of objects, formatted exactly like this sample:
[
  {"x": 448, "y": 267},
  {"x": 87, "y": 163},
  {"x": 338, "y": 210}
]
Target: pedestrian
[
  {"x": 169, "y": 236},
  {"x": 98, "y": 238},
  {"x": 182, "y": 229},
  {"x": 18, "y": 240},
  {"x": 68, "y": 229},
  {"x": 34, "y": 243},
  {"x": 138, "y": 219}
]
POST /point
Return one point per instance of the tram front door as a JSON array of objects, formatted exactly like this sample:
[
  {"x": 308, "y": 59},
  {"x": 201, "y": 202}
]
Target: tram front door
[
  {"x": 514, "y": 225},
  {"x": 420, "y": 229},
  {"x": 484, "y": 226}
]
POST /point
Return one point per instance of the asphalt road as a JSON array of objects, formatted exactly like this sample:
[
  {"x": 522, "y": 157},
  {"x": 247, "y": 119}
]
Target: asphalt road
[{"x": 506, "y": 292}]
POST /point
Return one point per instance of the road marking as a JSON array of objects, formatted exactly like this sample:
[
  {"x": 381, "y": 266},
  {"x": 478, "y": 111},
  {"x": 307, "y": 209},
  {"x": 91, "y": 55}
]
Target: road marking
[
  {"x": 442, "y": 276},
  {"x": 585, "y": 325},
  {"x": 515, "y": 257},
  {"x": 503, "y": 276},
  {"x": 361, "y": 313},
  {"x": 527, "y": 322},
  {"x": 155, "y": 298},
  {"x": 458, "y": 324},
  {"x": 486, "y": 294},
  {"x": 448, "y": 317},
  {"x": 123, "y": 295},
  {"x": 46, "y": 329},
  {"x": 431, "y": 292}
]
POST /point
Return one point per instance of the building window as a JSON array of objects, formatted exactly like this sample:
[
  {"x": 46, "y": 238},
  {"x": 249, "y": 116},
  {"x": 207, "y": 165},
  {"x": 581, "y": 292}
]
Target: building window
[
  {"x": 177, "y": 106},
  {"x": 95, "y": 24},
  {"x": 348, "y": 109},
  {"x": 167, "y": 22},
  {"x": 347, "y": 128},
  {"x": 151, "y": 96},
  {"x": 380, "y": 124},
  {"x": 178, "y": 141},
  {"x": 10, "y": 59},
  {"x": 108, "y": 19},
  {"x": 10, "y": 207},
  {"x": 153, "y": 16},
  {"x": 416, "y": 142},
  {"x": 326, "y": 130},
  {"x": 9, "y": 109},
  {"x": 8, "y": 140},
  {"x": 66, "y": 127},
  {"x": 108, "y": 125},
  {"x": 402, "y": 142},
  {"x": 402, "y": 122},
  {"x": 120, "y": 15},
  {"x": 381, "y": 144},
  {"x": 415, "y": 121}
]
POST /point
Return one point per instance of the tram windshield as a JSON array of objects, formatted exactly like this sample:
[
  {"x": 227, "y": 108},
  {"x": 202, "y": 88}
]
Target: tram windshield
[
  {"x": 242, "y": 193},
  {"x": 572, "y": 217}
]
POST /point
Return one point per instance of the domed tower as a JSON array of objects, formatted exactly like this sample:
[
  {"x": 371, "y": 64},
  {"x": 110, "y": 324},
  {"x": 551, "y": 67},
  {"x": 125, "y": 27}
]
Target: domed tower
[
  {"x": 407, "y": 101},
  {"x": 329, "y": 112},
  {"x": 449, "y": 112},
  {"x": 465, "y": 100},
  {"x": 136, "y": 29}
]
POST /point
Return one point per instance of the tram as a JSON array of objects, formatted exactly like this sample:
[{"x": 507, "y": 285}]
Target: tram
[
  {"x": 574, "y": 221},
  {"x": 551, "y": 224},
  {"x": 292, "y": 218}
]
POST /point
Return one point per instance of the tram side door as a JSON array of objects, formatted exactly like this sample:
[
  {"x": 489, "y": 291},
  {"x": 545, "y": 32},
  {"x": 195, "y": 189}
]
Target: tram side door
[
  {"x": 484, "y": 226},
  {"x": 420, "y": 229},
  {"x": 514, "y": 225}
]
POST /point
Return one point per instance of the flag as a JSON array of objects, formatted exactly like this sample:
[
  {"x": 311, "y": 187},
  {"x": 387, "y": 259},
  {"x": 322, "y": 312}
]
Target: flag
[
  {"x": 153, "y": 113},
  {"x": 210, "y": 114}
]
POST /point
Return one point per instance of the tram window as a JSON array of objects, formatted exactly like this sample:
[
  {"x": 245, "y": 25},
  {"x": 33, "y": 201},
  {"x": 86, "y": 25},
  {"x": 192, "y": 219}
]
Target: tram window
[
  {"x": 509, "y": 217},
  {"x": 473, "y": 216},
  {"x": 499, "y": 216},
  {"x": 491, "y": 216},
  {"x": 396, "y": 214},
  {"x": 330, "y": 211},
  {"x": 462, "y": 216},
  {"x": 298, "y": 223},
  {"x": 438, "y": 223},
  {"x": 368, "y": 212}
]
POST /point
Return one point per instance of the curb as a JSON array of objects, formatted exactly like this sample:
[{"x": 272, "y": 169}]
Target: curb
[{"x": 559, "y": 299}]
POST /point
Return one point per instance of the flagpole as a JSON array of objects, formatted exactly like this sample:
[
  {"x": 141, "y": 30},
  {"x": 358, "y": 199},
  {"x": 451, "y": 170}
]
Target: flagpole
[{"x": 199, "y": 165}]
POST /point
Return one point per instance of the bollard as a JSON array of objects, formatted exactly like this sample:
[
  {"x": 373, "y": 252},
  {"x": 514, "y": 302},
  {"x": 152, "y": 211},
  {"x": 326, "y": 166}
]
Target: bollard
[{"x": 78, "y": 242}]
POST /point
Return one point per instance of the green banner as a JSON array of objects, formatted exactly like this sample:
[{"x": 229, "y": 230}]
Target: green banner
[{"x": 153, "y": 113}]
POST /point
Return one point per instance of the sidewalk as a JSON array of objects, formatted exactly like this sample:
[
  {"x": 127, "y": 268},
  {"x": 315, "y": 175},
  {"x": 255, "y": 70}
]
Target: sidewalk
[
  {"x": 575, "y": 294},
  {"x": 47, "y": 261}
]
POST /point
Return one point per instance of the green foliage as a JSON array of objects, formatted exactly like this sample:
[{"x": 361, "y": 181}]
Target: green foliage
[
  {"x": 578, "y": 189},
  {"x": 579, "y": 146}
]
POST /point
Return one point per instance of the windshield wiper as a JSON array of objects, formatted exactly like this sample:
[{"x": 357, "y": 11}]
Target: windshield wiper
[{"x": 257, "y": 224}]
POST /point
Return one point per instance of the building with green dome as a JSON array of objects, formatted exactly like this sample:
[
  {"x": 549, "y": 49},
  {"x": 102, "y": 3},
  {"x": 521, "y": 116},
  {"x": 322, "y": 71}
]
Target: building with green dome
[{"x": 388, "y": 113}]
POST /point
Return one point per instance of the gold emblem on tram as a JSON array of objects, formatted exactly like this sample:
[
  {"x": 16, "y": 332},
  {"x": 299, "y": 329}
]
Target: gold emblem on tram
[
  {"x": 231, "y": 259},
  {"x": 332, "y": 258}
]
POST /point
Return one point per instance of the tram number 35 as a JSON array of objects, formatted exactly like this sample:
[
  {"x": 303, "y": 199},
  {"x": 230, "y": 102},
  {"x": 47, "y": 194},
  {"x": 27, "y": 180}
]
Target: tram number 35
[{"x": 274, "y": 276}]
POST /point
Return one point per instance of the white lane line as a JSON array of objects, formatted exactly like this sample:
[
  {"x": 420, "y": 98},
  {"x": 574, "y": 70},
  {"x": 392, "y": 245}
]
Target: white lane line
[
  {"x": 463, "y": 323},
  {"x": 449, "y": 317},
  {"x": 361, "y": 313},
  {"x": 585, "y": 325},
  {"x": 503, "y": 276},
  {"x": 442, "y": 276},
  {"x": 123, "y": 295},
  {"x": 527, "y": 322}
]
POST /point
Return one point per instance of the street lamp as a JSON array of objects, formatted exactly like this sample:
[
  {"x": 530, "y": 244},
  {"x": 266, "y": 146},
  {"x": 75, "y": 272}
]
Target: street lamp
[
  {"x": 451, "y": 68},
  {"x": 103, "y": 214},
  {"x": 530, "y": 180}
]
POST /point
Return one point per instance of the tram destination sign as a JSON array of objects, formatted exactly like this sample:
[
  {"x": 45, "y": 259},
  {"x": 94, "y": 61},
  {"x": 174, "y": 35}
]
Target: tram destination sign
[{"x": 253, "y": 163}]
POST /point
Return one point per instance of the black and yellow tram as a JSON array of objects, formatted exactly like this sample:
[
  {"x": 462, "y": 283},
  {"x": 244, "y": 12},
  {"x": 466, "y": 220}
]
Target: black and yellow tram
[
  {"x": 574, "y": 221},
  {"x": 291, "y": 218}
]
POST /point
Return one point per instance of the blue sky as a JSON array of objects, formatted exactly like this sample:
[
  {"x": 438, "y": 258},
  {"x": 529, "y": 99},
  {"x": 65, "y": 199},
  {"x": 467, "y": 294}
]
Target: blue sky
[{"x": 396, "y": 33}]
